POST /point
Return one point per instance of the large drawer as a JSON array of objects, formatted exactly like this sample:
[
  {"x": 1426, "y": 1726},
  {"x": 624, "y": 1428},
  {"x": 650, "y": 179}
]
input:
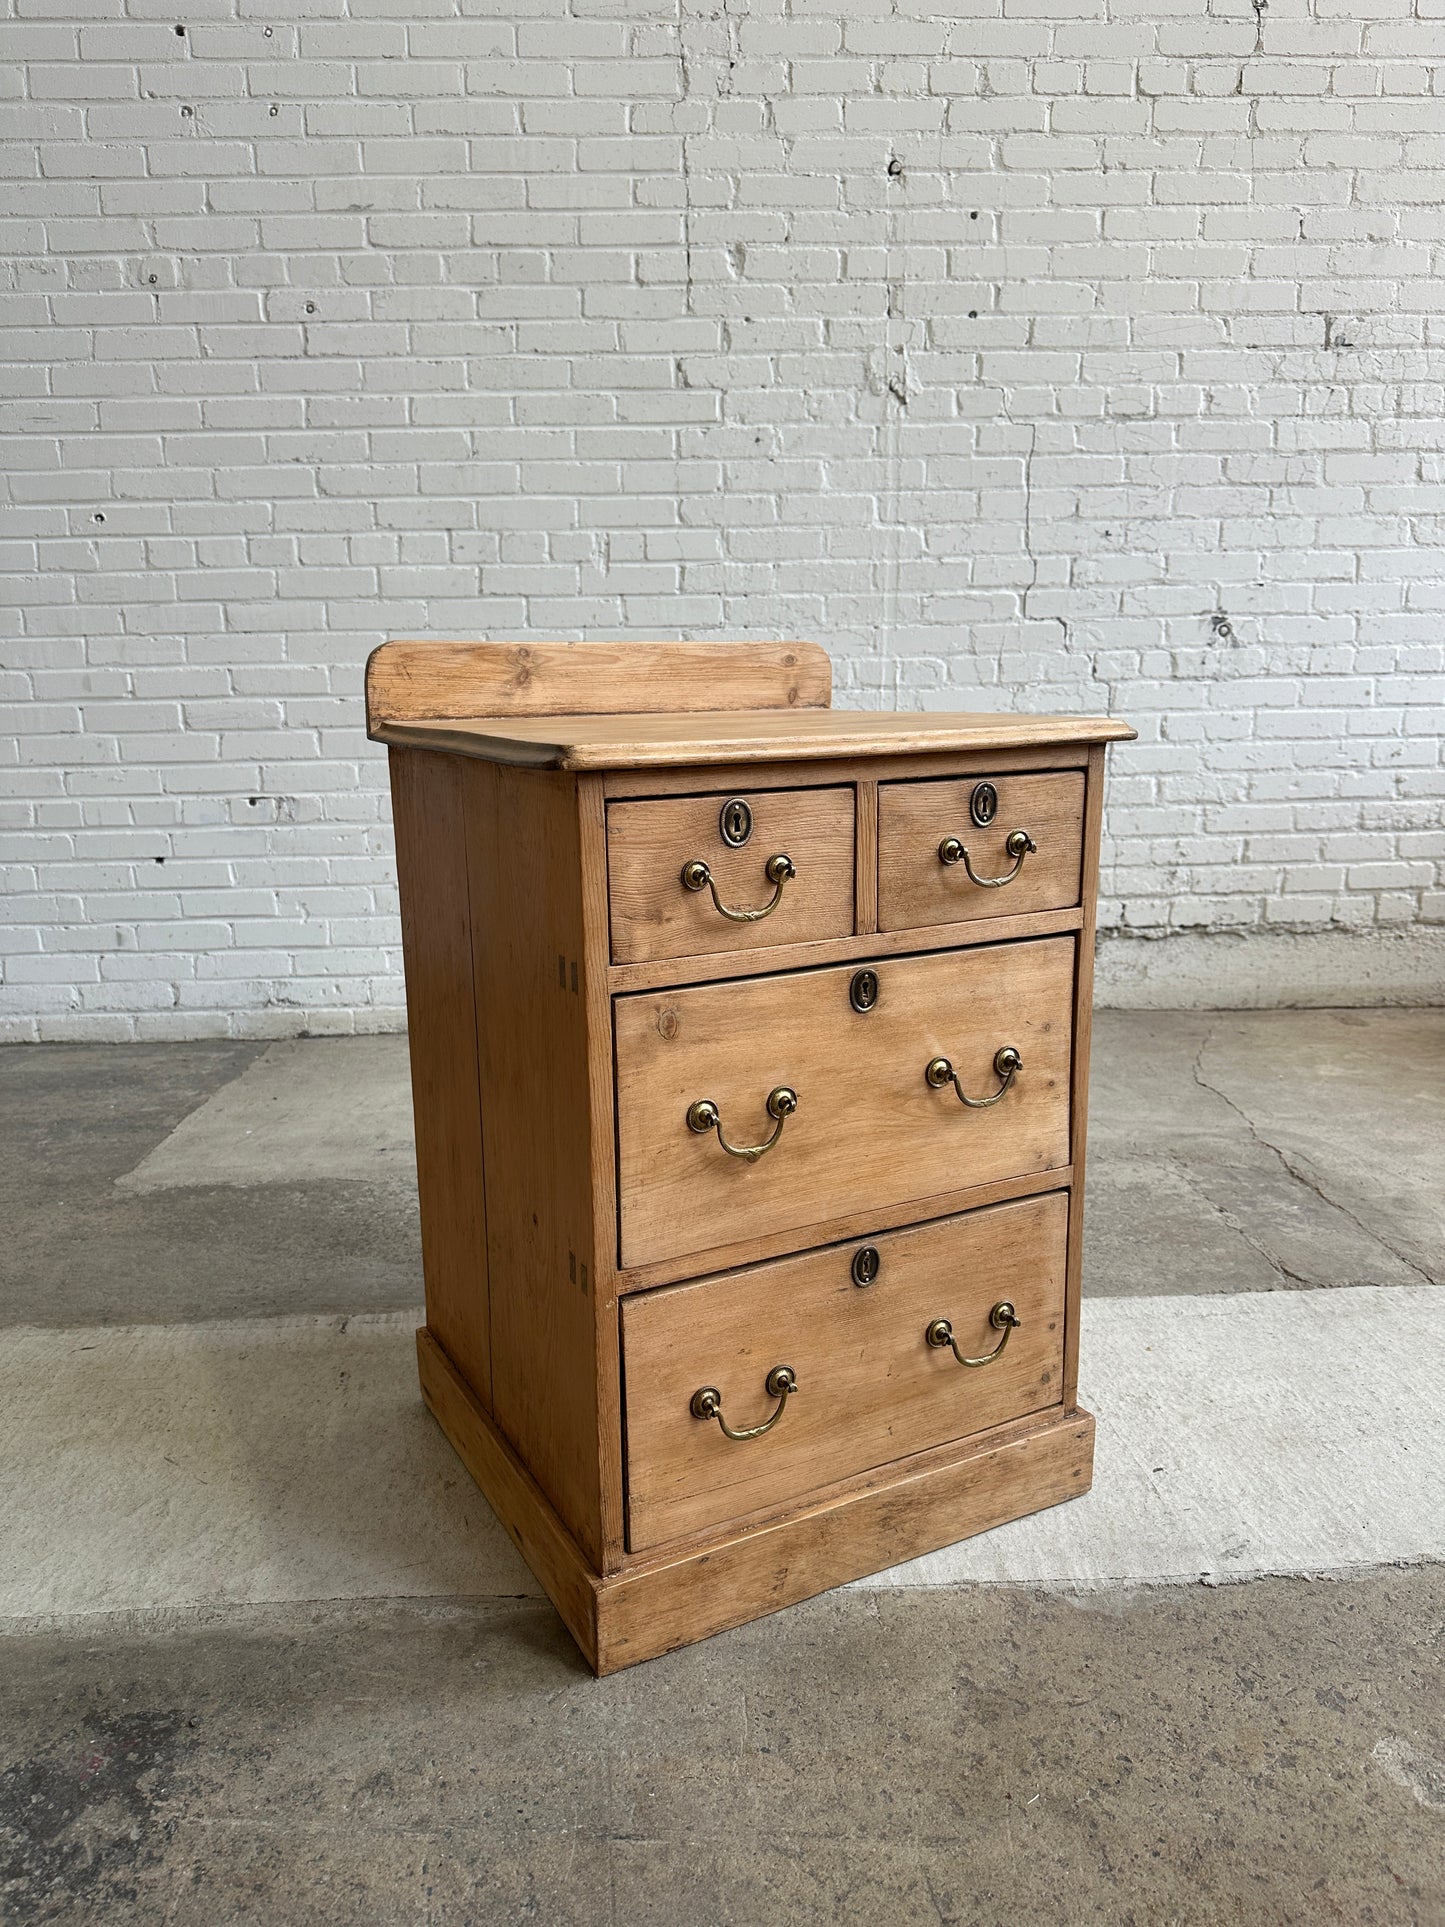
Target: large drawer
[
  {"x": 869, "y": 1129},
  {"x": 870, "y": 1386},
  {"x": 688, "y": 875},
  {"x": 944, "y": 852}
]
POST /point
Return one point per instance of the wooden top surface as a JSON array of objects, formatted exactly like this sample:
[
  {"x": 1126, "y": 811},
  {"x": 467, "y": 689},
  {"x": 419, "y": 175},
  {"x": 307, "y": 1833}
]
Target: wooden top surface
[{"x": 751, "y": 736}]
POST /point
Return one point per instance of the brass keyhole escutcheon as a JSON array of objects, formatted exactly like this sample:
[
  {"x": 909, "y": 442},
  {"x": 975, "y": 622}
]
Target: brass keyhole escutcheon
[
  {"x": 983, "y": 804},
  {"x": 866, "y": 1265},
  {"x": 863, "y": 991},
  {"x": 735, "y": 822}
]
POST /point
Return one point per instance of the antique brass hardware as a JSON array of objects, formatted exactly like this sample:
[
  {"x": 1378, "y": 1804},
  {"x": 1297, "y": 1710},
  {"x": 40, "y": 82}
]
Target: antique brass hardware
[
  {"x": 1003, "y": 1318},
  {"x": 983, "y": 804},
  {"x": 778, "y": 870},
  {"x": 1018, "y": 844},
  {"x": 866, "y": 1265},
  {"x": 735, "y": 822},
  {"x": 863, "y": 991},
  {"x": 1006, "y": 1063},
  {"x": 703, "y": 1116},
  {"x": 780, "y": 1383}
]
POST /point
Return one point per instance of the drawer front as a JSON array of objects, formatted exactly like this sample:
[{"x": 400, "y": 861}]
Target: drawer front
[
  {"x": 977, "y": 815},
  {"x": 869, "y": 1131},
  {"x": 650, "y": 843},
  {"x": 870, "y": 1387}
]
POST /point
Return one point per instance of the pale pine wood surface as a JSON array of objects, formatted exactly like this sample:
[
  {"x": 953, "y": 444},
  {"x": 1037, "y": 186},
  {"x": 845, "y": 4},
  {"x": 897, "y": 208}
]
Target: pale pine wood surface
[
  {"x": 658, "y": 1602},
  {"x": 883, "y": 1519},
  {"x": 854, "y": 1226},
  {"x": 916, "y": 887},
  {"x": 823, "y": 771},
  {"x": 865, "y": 947},
  {"x": 648, "y": 843},
  {"x": 572, "y": 1178},
  {"x": 591, "y": 741},
  {"x": 602, "y": 1177},
  {"x": 428, "y": 809},
  {"x": 527, "y": 936},
  {"x": 870, "y": 1390},
  {"x": 868, "y": 1130},
  {"x": 411, "y": 681}
]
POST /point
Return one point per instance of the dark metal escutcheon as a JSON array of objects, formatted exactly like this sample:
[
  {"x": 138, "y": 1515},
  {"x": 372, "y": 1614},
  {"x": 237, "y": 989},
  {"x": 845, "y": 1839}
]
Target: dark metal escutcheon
[
  {"x": 863, "y": 991},
  {"x": 735, "y": 822},
  {"x": 866, "y": 1264},
  {"x": 983, "y": 804}
]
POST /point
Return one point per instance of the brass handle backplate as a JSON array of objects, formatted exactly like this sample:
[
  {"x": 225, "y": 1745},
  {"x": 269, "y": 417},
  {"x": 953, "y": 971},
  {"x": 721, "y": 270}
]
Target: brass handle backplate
[
  {"x": 780, "y": 1383},
  {"x": 1003, "y": 1318},
  {"x": 779, "y": 869},
  {"x": 1018, "y": 844},
  {"x": 1006, "y": 1063},
  {"x": 703, "y": 1116}
]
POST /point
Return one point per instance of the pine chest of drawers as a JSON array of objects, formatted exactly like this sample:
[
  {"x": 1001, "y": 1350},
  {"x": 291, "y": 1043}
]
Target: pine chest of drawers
[{"x": 749, "y": 1047}]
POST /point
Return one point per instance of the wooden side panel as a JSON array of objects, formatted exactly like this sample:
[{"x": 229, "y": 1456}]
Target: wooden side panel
[
  {"x": 870, "y": 1388},
  {"x": 655, "y": 1608},
  {"x": 650, "y": 841},
  {"x": 592, "y": 827},
  {"x": 431, "y": 859},
  {"x": 413, "y": 681},
  {"x": 868, "y": 1132},
  {"x": 527, "y": 932}
]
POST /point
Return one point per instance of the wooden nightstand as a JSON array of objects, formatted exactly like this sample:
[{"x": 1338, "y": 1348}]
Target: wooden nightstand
[{"x": 749, "y": 1045}]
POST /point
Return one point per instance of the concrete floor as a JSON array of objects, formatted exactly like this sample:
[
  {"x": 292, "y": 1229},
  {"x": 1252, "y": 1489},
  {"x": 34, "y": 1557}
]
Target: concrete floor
[{"x": 266, "y": 1655}]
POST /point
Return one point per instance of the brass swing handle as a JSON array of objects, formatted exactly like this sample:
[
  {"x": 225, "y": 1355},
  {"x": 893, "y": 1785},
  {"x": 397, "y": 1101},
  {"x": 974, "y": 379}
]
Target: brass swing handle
[
  {"x": 779, "y": 869},
  {"x": 1006, "y": 1063},
  {"x": 1003, "y": 1318},
  {"x": 702, "y": 1116},
  {"x": 1018, "y": 844},
  {"x": 780, "y": 1383}
]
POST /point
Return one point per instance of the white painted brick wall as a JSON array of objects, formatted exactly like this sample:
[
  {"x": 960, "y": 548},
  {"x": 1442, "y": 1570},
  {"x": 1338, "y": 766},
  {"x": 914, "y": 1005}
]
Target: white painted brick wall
[{"x": 1079, "y": 354}]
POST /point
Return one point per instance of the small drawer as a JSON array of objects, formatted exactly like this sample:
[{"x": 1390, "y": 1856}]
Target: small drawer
[
  {"x": 872, "y": 1385},
  {"x": 981, "y": 846},
  {"x": 689, "y": 875},
  {"x": 772, "y": 1104}
]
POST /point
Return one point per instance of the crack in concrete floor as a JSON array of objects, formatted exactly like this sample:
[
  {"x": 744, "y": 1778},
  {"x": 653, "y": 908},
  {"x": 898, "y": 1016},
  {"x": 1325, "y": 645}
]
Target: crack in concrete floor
[{"x": 1298, "y": 1169}]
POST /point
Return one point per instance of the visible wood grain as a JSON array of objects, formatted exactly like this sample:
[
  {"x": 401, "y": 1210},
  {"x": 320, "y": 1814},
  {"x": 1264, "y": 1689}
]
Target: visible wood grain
[
  {"x": 1083, "y": 1037},
  {"x": 783, "y": 773},
  {"x": 870, "y": 1389},
  {"x": 662, "y": 1601},
  {"x": 572, "y": 1153},
  {"x": 868, "y": 1130},
  {"x": 436, "y": 934},
  {"x": 588, "y": 741},
  {"x": 868, "y": 947},
  {"x": 413, "y": 681},
  {"x": 649, "y": 842},
  {"x": 916, "y": 887},
  {"x": 851, "y": 1227},
  {"x": 602, "y": 1177},
  {"x": 516, "y": 1498},
  {"x": 653, "y": 1608},
  {"x": 866, "y": 885},
  {"x": 527, "y": 937}
]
